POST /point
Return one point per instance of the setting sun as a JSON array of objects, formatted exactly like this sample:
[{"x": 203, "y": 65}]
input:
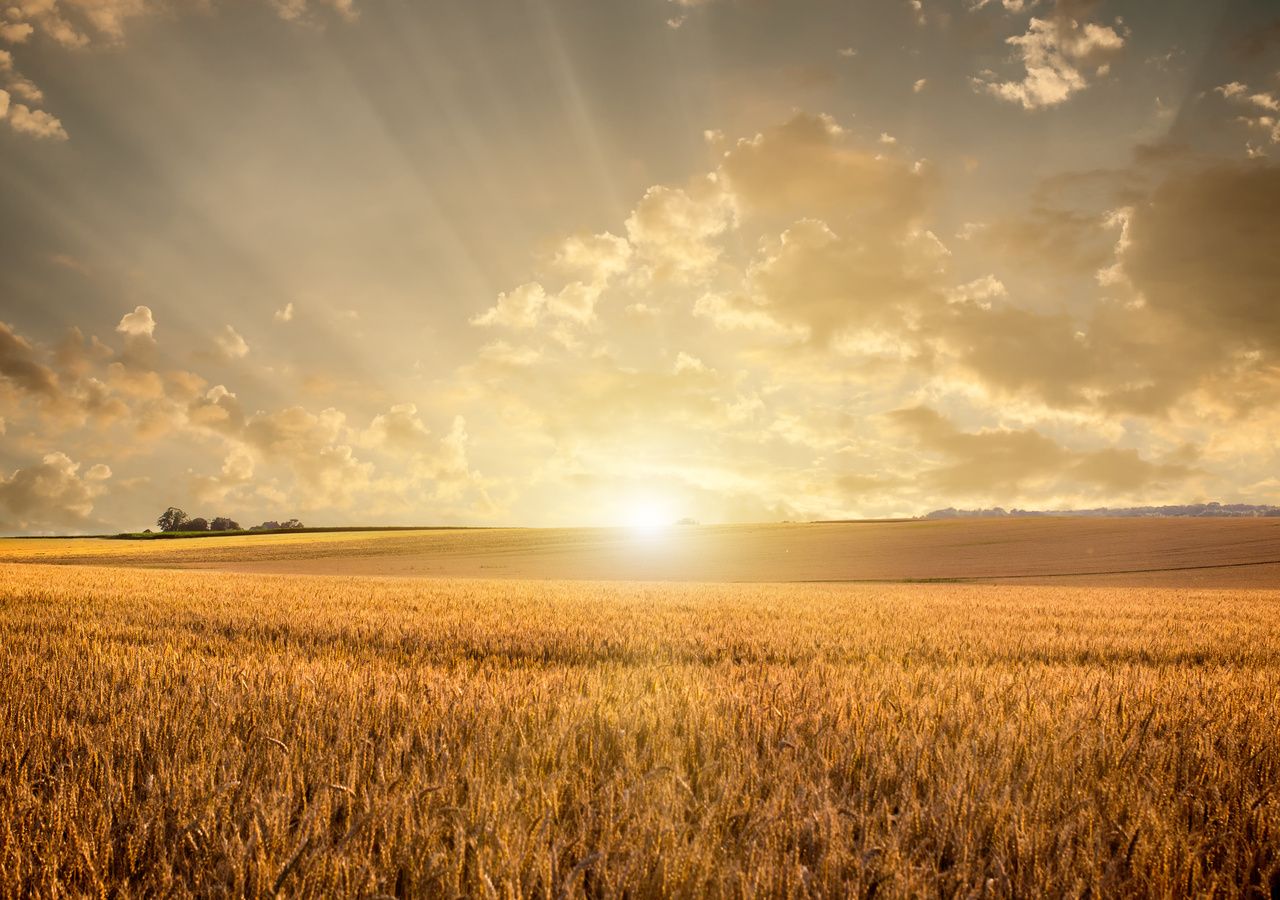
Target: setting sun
[{"x": 648, "y": 516}]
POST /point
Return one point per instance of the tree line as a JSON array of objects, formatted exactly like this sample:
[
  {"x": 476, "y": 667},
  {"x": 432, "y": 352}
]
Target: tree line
[{"x": 174, "y": 519}]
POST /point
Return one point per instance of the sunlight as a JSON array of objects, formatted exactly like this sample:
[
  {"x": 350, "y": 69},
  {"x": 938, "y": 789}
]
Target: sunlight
[{"x": 648, "y": 517}]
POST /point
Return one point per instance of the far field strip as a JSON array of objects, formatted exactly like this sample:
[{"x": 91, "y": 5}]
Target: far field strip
[{"x": 1228, "y": 553}]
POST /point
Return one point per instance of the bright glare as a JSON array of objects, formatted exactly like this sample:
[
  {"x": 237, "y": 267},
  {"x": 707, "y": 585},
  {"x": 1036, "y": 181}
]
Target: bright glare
[{"x": 648, "y": 518}]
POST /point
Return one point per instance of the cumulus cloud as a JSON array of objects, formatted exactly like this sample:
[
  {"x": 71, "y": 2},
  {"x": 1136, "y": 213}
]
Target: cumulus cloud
[
  {"x": 400, "y": 428},
  {"x": 314, "y": 448},
  {"x": 1060, "y": 55},
  {"x": 15, "y": 32},
  {"x": 518, "y": 308},
  {"x": 1259, "y": 110},
  {"x": 674, "y": 229},
  {"x": 50, "y": 493},
  {"x": 139, "y": 323},
  {"x": 15, "y": 84},
  {"x": 285, "y": 314},
  {"x": 588, "y": 264},
  {"x": 35, "y": 122},
  {"x": 19, "y": 116},
  {"x": 853, "y": 252}
]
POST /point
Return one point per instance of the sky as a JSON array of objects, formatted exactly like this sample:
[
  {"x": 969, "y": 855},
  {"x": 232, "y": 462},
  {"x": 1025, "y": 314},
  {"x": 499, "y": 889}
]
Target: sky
[{"x": 572, "y": 262}]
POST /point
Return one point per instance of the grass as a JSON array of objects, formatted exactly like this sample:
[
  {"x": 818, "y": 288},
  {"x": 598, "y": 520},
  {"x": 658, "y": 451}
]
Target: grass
[{"x": 218, "y": 734}]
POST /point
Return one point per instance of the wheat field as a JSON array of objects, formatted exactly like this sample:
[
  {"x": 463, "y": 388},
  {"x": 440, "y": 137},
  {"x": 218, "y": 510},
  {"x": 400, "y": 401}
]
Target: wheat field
[
  {"x": 1140, "y": 552},
  {"x": 192, "y": 733}
]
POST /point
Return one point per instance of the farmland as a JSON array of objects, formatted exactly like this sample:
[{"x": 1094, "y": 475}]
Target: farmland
[
  {"x": 1146, "y": 552},
  {"x": 177, "y": 730}
]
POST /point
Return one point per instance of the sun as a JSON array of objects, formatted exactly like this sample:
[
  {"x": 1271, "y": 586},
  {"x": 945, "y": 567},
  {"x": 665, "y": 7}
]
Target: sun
[{"x": 647, "y": 517}]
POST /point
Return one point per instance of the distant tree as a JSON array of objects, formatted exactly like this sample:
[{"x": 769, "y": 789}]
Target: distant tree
[
  {"x": 172, "y": 519},
  {"x": 222, "y": 523},
  {"x": 269, "y": 525},
  {"x": 196, "y": 524},
  {"x": 292, "y": 523}
]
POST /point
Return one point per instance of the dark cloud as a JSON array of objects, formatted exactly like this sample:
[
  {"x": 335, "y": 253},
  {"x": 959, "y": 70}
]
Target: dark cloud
[
  {"x": 1206, "y": 250},
  {"x": 50, "y": 493},
  {"x": 1020, "y": 462},
  {"x": 1260, "y": 40},
  {"x": 18, "y": 364}
]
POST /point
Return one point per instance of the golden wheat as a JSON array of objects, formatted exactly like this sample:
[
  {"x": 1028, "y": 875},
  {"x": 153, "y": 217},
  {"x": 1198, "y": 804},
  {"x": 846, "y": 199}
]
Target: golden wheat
[{"x": 212, "y": 734}]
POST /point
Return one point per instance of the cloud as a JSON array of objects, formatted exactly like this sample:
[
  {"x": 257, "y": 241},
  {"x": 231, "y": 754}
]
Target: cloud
[
  {"x": 1258, "y": 41},
  {"x": 399, "y": 429},
  {"x": 829, "y": 282},
  {"x": 424, "y": 466},
  {"x": 853, "y": 251},
  {"x": 15, "y": 32},
  {"x": 34, "y": 122},
  {"x": 808, "y": 167},
  {"x": 1060, "y": 55},
  {"x": 292, "y": 455},
  {"x": 739, "y": 337},
  {"x": 230, "y": 344},
  {"x": 674, "y": 229},
  {"x": 285, "y": 314},
  {"x": 22, "y": 118},
  {"x": 296, "y": 10},
  {"x": 518, "y": 308},
  {"x": 313, "y": 446},
  {"x": 79, "y": 23},
  {"x": 1202, "y": 249},
  {"x": 75, "y": 24},
  {"x": 139, "y": 323},
  {"x": 19, "y": 365},
  {"x": 676, "y": 21},
  {"x": 1012, "y": 6},
  {"x": 15, "y": 84},
  {"x": 236, "y": 473},
  {"x": 1260, "y": 110},
  {"x": 587, "y": 262},
  {"x": 50, "y": 493},
  {"x": 999, "y": 463},
  {"x": 1182, "y": 308}
]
